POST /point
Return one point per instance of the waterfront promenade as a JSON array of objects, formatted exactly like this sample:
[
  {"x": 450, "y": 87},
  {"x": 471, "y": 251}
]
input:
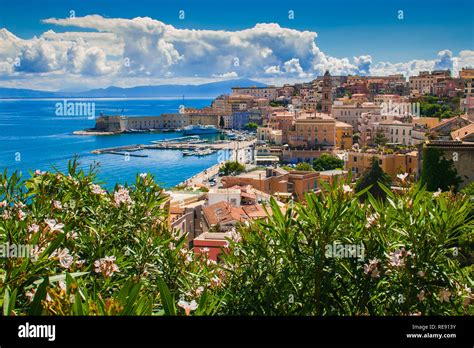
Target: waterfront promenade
[{"x": 240, "y": 153}]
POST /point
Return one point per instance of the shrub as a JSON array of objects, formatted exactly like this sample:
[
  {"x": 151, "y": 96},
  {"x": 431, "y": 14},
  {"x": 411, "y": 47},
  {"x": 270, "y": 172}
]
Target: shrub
[{"x": 94, "y": 252}]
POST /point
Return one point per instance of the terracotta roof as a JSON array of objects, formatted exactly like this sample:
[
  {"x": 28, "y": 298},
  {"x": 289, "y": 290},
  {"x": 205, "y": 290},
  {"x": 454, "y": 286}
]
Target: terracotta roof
[
  {"x": 461, "y": 133},
  {"x": 223, "y": 213},
  {"x": 255, "y": 211}
]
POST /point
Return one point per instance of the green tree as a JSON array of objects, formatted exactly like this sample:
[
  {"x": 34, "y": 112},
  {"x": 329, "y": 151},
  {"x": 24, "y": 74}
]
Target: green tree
[
  {"x": 221, "y": 122},
  {"x": 371, "y": 179},
  {"x": 438, "y": 172},
  {"x": 380, "y": 138},
  {"x": 231, "y": 167},
  {"x": 304, "y": 166},
  {"x": 327, "y": 162},
  {"x": 251, "y": 126}
]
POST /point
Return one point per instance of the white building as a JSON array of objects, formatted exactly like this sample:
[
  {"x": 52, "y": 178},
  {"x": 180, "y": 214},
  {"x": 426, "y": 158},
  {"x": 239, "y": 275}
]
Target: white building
[
  {"x": 350, "y": 113},
  {"x": 229, "y": 195}
]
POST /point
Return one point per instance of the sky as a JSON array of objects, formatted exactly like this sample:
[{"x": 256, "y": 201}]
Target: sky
[{"x": 77, "y": 44}]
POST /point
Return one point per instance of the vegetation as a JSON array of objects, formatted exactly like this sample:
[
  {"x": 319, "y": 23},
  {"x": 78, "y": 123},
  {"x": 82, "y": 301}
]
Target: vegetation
[
  {"x": 327, "y": 162},
  {"x": 251, "y": 126},
  {"x": 231, "y": 168},
  {"x": 438, "y": 172},
  {"x": 94, "y": 252},
  {"x": 278, "y": 103},
  {"x": 371, "y": 180},
  {"x": 304, "y": 166},
  {"x": 380, "y": 138},
  {"x": 113, "y": 253},
  {"x": 410, "y": 263},
  {"x": 432, "y": 106},
  {"x": 469, "y": 189}
]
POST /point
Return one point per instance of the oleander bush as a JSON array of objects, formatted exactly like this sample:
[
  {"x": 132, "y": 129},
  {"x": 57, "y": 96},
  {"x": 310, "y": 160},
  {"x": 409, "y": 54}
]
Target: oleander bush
[
  {"x": 413, "y": 244},
  {"x": 96, "y": 252}
]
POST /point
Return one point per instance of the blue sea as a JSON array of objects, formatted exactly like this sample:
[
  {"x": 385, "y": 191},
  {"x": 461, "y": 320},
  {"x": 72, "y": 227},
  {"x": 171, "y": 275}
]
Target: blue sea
[{"x": 33, "y": 137}]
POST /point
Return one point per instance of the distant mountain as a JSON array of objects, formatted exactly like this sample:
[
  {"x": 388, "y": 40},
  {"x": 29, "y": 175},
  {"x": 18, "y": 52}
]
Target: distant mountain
[
  {"x": 210, "y": 90},
  {"x": 25, "y": 93}
]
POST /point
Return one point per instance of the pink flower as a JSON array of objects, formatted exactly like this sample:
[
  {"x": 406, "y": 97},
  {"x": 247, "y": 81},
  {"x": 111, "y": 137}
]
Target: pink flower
[
  {"x": 346, "y": 188},
  {"x": 36, "y": 252},
  {"x": 372, "y": 268},
  {"x": 71, "y": 235},
  {"x": 57, "y": 205},
  {"x": 122, "y": 196},
  {"x": 3, "y": 204},
  {"x": 6, "y": 214},
  {"x": 34, "y": 228},
  {"x": 188, "y": 306},
  {"x": 444, "y": 295},
  {"x": 30, "y": 294},
  {"x": 402, "y": 177},
  {"x": 372, "y": 220},
  {"x": 421, "y": 295},
  {"x": 54, "y": 226},
  {"x": 21, "y": 215},
  {"x": 39, "y": 172},
  {"x": 398, "y": 257},
  {"x": 235, "y": 236},
  {"x": 106, "y": 266},
  {"x": 65, "y": 259},
  {"x": 97, "y": 190}
]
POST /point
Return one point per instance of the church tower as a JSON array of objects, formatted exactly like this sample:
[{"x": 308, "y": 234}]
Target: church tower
[{"x": 326, "y": 101}]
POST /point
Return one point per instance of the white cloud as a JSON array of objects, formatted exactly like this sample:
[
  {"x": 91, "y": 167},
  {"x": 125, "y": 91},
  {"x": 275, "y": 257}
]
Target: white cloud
[
  {"x": 363, "y": 64},
  {"x": 231, "y": 74},
  {"x": 143, "y": 49}
]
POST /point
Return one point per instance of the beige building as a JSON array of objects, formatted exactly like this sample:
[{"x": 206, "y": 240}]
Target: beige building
[
  {"x": 423, "y": 83},
  {"x": 343, "y": 135},
  {"x": 392, "y": 164},
  {"x": 397, "y": 132},
  {"x": 276, "y": 180},
  {"x": 268, "y": 92},
  {"x": 350, "y": 113},
  {"x": 311, "y": 130}
]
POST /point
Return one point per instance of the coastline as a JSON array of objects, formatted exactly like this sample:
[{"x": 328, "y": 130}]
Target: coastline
[{"x": 85, "y": 132}]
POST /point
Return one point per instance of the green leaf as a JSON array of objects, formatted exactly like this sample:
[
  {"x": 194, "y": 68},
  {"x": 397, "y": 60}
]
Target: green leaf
[
  {"x": 166, "y": 298},
  {"x": 6, "y": 301},
  {"x": 36, "y": 307}
]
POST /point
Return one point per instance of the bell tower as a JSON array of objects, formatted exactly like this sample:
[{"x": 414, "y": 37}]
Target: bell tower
[{"x": 326, "y": 101}]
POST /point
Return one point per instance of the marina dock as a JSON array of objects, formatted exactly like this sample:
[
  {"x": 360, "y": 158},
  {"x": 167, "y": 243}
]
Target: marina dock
[{"x": 186, "y": 145}]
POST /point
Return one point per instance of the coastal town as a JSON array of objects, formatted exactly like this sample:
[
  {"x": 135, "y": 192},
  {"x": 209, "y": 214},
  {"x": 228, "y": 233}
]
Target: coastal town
[
  {"x": 275, "y": 136},
  {"x": 174, "y": 172}
]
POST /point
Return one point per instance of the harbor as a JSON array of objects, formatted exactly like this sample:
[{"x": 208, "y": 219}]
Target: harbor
[{"x": 188, "y": 145}]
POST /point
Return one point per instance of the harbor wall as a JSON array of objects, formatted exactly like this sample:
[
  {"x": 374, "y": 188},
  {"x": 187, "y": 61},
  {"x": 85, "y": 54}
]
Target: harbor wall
[{"x": 118, "y": 124}]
